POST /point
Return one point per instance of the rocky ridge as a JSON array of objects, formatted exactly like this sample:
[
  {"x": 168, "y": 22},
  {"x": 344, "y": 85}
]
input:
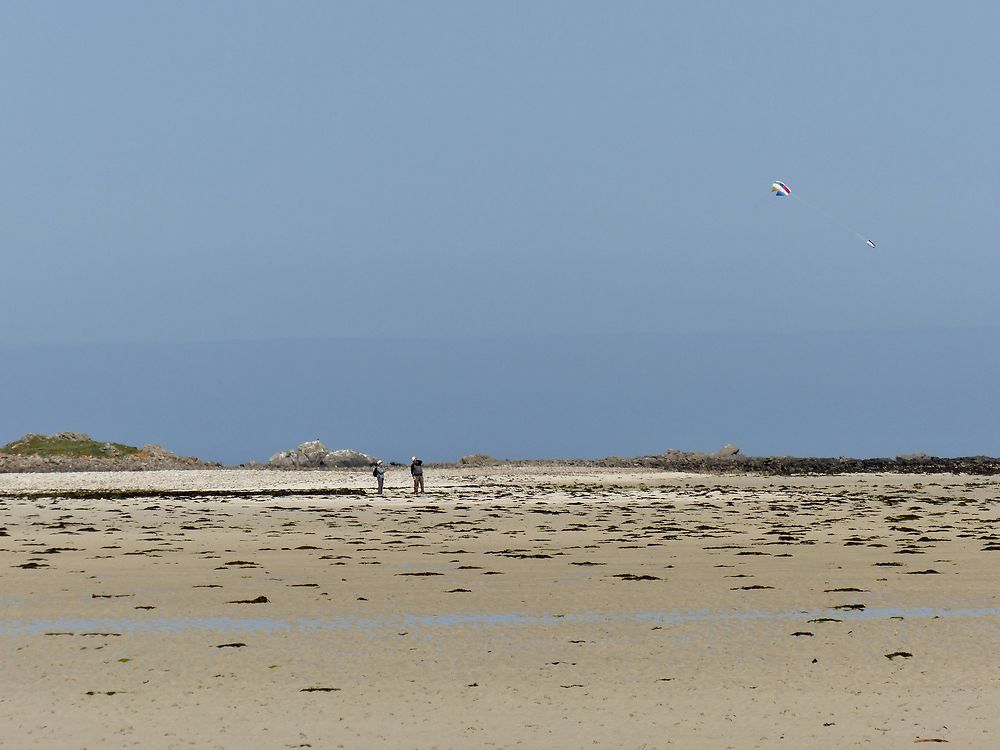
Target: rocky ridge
[
  {"x": 73, "y": 451},
  {"x": 729, "y": 459},
  {"x": 77, "y": 451}
]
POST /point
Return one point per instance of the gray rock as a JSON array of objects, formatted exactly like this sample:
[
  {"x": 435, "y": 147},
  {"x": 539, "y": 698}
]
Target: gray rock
[
  {"x": 77, "y": 437},
  {"x": 348, "y": 459},
  {"x": 728, "y": 450},
  {"x": 313, "y": 450},
  {"x": 284, "y": 460},
  {"x": 312, "y": 454},
  {"x": 673, "y": 453}
]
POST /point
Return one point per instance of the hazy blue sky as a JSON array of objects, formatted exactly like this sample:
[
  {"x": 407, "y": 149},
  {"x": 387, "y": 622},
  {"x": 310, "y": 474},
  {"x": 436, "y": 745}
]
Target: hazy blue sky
[{"x": 201, "y": 183}]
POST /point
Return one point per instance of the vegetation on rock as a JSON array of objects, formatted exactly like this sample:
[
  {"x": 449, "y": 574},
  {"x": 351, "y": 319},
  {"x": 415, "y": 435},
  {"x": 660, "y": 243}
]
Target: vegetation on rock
[
  {"x": 67, "y": 444},
  {"x": 75, "y": 451}
]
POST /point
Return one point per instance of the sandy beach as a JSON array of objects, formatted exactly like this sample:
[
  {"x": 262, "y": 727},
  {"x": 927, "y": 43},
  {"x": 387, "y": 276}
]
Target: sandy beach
[{"x": 536, "y": 607}]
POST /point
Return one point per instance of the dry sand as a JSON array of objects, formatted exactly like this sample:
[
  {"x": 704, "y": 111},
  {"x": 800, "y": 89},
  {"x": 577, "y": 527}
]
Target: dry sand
[{"x": 542, "y": 607}]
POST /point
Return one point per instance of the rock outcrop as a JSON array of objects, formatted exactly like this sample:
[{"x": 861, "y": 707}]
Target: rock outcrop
[
  {"x": 477, "y": 459},
  {"x": 314, "y": 455},
  {"x": 76, "y": 451}
]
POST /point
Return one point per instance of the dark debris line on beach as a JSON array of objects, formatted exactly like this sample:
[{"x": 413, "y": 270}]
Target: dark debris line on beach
[{"x": 129, "y": 494}]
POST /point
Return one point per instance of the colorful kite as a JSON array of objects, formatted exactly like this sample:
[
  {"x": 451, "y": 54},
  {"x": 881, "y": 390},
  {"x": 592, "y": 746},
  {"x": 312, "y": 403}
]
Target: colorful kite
[{"x": 780, "y": 189}]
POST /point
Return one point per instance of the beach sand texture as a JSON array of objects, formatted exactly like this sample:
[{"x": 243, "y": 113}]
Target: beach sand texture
[{"x": 535, "y": 607}]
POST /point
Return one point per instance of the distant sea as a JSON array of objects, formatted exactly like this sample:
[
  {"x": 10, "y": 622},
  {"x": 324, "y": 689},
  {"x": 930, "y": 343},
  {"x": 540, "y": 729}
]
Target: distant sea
[{"x": 842, "y": 393}]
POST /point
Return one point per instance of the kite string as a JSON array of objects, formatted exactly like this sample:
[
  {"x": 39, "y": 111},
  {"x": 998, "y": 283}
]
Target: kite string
[{"x": 831, "y": 217}]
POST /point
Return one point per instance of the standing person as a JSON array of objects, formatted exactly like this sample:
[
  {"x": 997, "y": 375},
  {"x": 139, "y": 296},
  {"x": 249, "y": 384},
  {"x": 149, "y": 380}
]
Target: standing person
[
  {"x": 379, "y": 474},
  {"x": 417, "y": 472}
]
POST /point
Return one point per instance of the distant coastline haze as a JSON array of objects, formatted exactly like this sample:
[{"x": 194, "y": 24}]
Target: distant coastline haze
[{"x": 824, "y": 394}]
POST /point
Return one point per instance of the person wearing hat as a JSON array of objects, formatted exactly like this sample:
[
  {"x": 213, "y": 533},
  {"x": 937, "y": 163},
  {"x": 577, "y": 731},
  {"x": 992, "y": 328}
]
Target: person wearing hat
[
  {"x": 379, "y": 474},
  {"x": 417, "y": 472}
]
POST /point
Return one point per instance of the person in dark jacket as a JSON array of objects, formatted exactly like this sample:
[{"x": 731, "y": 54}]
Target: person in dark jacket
[
  {"x": 379, "y": 474},
  {"x": 417, "y": 472}
]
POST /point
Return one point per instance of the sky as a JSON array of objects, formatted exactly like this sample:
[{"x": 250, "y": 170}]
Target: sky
[{"x": 519, "y": 190}]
